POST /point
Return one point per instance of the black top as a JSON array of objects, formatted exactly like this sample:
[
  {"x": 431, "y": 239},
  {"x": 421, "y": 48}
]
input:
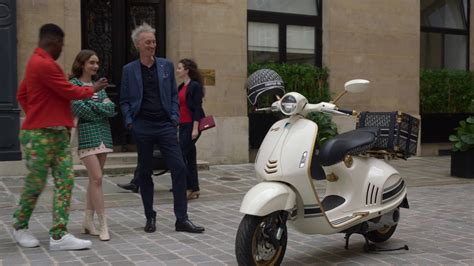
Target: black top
[{"x": 152, "y": 107}]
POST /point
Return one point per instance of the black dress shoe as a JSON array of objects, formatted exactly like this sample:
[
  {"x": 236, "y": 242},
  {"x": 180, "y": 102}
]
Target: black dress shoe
[
  {"x": 129, "y": 186},
  {"x": 150, "y": 225},
  {"x": 188, "y": 226}
]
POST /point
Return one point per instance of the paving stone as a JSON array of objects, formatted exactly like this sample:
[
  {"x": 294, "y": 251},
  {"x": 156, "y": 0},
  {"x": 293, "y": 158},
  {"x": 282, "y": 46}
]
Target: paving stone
[
  {"x": 437, "y": 227},
  {"x": 122, "y": 263},
  {"x": 91, "y": 259}
]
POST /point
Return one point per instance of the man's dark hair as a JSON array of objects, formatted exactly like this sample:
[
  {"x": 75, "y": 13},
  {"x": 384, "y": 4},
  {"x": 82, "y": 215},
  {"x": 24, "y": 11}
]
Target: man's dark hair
[{"x": 50, "y": 30}]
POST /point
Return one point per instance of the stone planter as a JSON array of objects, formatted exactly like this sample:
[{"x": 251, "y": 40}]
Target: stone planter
[
  {"x": 462, "y": 163},
  {"x": 436, "y": 128}
]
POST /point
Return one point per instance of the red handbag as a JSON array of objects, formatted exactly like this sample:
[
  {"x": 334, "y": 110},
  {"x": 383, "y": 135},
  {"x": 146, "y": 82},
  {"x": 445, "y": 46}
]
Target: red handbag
[{"x": 206, "y": 122}]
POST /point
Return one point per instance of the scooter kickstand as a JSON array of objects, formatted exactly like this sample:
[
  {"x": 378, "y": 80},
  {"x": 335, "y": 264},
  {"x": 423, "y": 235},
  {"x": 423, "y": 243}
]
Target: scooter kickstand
[
  {"x": 369, "y": 247},
  {"x": 346, "y": 237}
]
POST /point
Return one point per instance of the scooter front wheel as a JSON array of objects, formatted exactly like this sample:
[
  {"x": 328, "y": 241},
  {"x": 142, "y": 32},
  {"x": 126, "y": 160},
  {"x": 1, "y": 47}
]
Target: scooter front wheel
[{"x": 261, "y": 240}]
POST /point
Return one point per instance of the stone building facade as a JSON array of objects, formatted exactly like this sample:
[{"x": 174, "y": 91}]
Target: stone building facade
[{"x": 377, "y": 40}]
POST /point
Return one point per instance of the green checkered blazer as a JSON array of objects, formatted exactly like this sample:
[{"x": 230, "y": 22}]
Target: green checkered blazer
[{"x": 93, "y": 124}]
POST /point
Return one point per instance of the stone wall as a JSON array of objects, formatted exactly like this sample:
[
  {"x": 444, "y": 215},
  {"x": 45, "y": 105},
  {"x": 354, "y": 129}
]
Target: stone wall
[
  {"x": 214, "y": 34},
  {"x": 378, "y": 40},
  {"x": 32, "y": 14}
]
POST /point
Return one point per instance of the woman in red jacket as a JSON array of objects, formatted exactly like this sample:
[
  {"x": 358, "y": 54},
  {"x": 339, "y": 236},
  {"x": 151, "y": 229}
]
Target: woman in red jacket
[{"x": 190, "y": 94}]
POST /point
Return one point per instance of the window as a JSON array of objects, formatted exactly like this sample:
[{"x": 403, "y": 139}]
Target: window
[
  {"x": 445, "y": 34},
  {"x": 284, "y": 31},
  {"x": 263, "y": 42}
]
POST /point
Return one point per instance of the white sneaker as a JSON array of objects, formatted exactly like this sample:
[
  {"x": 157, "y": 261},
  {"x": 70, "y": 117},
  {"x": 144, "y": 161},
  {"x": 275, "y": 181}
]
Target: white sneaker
[
  {"x": 25, "y": 238},
  {"x": 68, "y": 242}
]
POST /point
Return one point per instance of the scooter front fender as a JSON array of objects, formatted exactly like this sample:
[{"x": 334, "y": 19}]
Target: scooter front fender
[{"x": 268, "y": 197}]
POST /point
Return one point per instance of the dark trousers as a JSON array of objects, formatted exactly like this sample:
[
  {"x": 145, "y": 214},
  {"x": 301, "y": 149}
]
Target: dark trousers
[
  {"x": 163, "y": 133},
  {"x": 188, "y": 148}
]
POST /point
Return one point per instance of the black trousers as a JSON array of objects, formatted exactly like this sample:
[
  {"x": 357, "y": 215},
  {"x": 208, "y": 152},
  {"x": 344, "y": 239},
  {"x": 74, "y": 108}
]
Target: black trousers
[
  {"x": 163, "y": 133},
  {"x": 188, "y": 148}
]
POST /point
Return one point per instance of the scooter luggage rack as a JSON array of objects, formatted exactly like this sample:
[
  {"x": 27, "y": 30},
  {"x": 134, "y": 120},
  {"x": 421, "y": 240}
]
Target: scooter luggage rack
[{"x": 384, "y": 154}]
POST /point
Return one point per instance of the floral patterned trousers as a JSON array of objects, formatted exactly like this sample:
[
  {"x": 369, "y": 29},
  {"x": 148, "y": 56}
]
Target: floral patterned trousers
[{"x": 45, "y": 149}]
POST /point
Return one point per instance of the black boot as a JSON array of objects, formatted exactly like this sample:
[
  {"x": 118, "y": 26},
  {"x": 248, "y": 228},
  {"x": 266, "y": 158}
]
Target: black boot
[{"x": 129, "y": 186}]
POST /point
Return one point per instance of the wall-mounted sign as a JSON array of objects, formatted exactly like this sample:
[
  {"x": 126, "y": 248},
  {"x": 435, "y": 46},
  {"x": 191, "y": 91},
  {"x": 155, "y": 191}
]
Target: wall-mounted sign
[{"x": 209, "y": 76}]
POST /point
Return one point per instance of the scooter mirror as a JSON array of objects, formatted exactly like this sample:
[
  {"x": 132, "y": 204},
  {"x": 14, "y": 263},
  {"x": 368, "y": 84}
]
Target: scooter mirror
[{"x": 356, "y": 85}]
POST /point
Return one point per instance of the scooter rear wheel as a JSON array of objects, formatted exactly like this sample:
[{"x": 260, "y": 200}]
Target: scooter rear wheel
[
  {"x": 253, "y": 246},
  {"x": 381, "y": 235}
]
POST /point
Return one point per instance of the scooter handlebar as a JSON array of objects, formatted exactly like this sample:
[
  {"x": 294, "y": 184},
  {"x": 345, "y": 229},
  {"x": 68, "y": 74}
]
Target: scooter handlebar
[
  {"x": 347, "y": 112},
  {"x": 275, "y": 107}
]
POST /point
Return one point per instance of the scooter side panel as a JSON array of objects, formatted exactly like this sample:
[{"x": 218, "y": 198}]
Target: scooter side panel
[
  {"x": 267, "y": 149},
  {"x": 268, "y": 197},
  {"x": 296, "y": 156},
  {"x": 362, "y": 186}
]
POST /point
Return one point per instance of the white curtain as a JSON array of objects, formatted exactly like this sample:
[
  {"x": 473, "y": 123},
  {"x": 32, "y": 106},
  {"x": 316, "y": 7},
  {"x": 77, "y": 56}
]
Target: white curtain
[
  {"x": 455, "y": 52},
  {"x": 262, "y": 37},
  {"x": 300, "y": 39}
]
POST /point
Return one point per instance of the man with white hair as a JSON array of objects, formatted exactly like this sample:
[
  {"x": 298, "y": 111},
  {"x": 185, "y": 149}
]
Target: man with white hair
[{"x": 149, "y": 103}]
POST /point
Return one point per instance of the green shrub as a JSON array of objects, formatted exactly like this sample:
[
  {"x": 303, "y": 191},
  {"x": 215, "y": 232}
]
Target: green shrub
[
  {"x": 464, "y": 138},
  {"x": 326, "y": 127},
  {"x": 446, "y": 91}
]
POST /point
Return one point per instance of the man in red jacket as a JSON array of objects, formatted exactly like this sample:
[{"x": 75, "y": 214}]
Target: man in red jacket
[{"x": 45, "y": 96}]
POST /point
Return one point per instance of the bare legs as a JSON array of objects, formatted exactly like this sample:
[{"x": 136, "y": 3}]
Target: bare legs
[{"x": 95, "y": 196}]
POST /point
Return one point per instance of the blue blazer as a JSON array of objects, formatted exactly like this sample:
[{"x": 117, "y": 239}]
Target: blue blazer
[{"x": 131, "y": 90}]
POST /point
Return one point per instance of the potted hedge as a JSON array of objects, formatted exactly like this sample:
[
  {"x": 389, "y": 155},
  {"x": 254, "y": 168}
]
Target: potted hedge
[
  {"x": 462, "y": 157},
  {"x": 446, "y": 98}
]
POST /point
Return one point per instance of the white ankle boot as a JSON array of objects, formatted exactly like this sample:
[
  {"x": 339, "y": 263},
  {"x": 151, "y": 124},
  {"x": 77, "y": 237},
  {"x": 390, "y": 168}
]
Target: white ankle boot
[
  {"x": 69, "y": 242},
  {"x": 104, "y": 230},
  {"x": 88, "y": 226},
  {"x": 25, "y": 238}
]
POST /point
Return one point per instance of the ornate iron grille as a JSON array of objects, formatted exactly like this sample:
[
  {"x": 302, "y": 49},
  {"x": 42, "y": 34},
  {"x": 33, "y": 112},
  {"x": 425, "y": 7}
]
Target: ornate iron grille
[{"x": 99, "y": 33}]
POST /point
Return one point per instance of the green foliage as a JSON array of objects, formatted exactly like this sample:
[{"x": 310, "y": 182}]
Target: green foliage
[
  {"x": 327, "y": 129},
  {"x": 311, "y": 82},
  {"x": 464, "y": 138},
  {"x": 306, "y": 79},
  {"x": 446, "y": 91}
]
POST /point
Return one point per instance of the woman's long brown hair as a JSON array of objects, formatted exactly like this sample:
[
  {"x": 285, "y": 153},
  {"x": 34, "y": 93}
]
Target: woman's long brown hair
[
  {"x": 193, "y": 72},
  {"x": 81, "y": 59}
]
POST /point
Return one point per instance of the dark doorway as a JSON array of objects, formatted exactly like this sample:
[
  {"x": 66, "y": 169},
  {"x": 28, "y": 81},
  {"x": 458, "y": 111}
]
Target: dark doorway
[
  {"x": 106, "y": 28},
  {"x": 9, "y": 112}
]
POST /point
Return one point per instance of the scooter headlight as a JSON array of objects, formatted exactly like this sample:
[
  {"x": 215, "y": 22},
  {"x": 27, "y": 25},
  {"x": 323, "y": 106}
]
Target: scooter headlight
[{"x": 288, "y": 104}]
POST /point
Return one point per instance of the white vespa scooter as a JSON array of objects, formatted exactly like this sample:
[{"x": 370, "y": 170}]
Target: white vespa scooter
[{"x": 363, "y": 194}]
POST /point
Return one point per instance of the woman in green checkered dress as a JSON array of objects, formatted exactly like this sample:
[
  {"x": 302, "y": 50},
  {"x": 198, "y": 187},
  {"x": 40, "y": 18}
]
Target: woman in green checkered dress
[{"x": 95, "y": 139}]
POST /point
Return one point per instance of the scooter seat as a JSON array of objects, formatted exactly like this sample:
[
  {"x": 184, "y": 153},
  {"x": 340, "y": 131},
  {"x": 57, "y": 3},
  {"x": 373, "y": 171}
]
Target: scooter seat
[{"x": 352, "y": 142}]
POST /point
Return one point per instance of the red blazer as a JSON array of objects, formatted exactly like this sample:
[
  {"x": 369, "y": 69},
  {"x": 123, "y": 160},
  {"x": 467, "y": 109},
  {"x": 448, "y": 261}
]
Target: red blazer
[{"x": 45, "y": 94}]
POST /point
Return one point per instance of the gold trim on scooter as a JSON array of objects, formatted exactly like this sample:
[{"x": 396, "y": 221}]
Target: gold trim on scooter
[
  {"x": 332, "y": 177},
  {"x": 312, "y": 184},
  {"x": 348, "y": 161}
]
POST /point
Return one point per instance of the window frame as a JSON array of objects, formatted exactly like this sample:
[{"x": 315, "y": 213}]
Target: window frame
[
  {"x": 443, "y": 31},
  {"x": 285, "y": 19}
]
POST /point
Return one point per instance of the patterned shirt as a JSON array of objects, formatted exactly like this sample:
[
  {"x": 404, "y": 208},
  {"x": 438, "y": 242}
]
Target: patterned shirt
[{"x": 93, "y": 125}]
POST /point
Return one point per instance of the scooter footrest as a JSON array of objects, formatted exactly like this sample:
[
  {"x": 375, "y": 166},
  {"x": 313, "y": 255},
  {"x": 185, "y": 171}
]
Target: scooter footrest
[{"x": 341, "y": 220}]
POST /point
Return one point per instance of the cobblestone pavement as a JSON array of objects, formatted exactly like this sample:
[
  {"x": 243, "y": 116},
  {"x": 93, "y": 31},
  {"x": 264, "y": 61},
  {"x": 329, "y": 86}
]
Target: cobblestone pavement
[{"x": 438, "y": 228}]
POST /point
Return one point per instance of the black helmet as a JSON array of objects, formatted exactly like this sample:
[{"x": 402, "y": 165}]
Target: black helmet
[{"x": 264, "y": 82}]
